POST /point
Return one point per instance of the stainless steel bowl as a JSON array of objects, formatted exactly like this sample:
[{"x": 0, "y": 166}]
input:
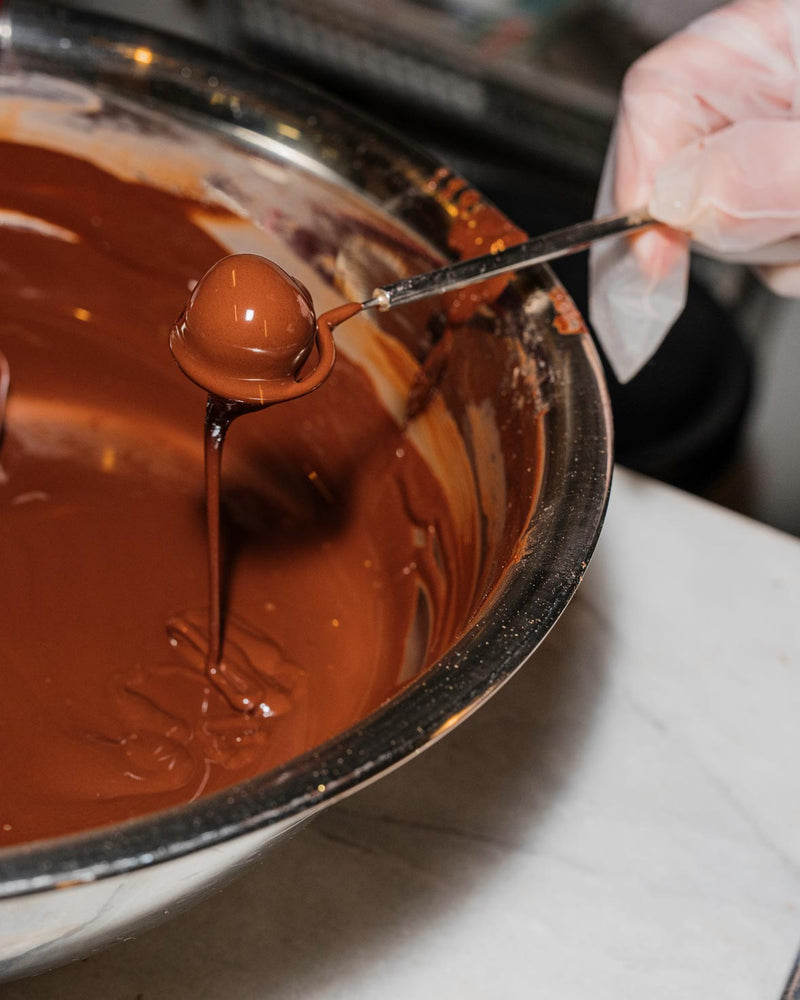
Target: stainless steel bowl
[{"x": 245, "y": 131}]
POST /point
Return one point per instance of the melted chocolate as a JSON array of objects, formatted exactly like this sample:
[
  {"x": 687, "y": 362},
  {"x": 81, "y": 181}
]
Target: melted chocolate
[{"x": 344, "y": 575}]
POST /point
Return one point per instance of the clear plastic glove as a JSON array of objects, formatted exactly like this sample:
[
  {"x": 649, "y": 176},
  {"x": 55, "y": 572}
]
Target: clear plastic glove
[{"x": 708, "y": 138}]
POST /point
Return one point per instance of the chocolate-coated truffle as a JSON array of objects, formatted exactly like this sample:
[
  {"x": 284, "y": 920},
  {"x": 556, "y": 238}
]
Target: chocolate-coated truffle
[{"x": 246, "y": 331}]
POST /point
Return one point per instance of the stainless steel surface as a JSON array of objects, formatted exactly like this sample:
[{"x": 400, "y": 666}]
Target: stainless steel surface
[
  {"x": 539, "y": 250},
  {"x": 63, "y": 898}
]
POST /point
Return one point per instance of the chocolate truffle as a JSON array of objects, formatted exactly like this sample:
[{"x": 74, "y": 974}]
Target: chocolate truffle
[{"x": 246, "y": 331}]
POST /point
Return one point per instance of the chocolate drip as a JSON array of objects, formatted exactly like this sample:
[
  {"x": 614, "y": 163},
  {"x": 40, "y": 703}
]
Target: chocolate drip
[{"x": 247, "y": 329}]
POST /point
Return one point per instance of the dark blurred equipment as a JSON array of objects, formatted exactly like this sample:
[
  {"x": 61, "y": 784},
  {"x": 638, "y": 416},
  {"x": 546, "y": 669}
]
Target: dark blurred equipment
[
  {"x": 462, "y": 69},
  {"x": 520, "y": 98}
]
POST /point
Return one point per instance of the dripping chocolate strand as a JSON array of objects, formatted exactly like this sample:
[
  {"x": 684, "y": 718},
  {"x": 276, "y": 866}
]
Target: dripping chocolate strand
[
  {"x": 220, "y": 414},
  {"x": 244, "y": 336}
]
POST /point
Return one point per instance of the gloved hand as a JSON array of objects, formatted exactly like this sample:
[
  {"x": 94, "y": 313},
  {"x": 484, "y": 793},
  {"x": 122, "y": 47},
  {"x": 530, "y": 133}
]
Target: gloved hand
[{"x": 708, "y": 138}]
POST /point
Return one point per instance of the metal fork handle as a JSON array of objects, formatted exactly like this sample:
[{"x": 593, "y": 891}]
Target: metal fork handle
[{"x": 548, "y": 246}]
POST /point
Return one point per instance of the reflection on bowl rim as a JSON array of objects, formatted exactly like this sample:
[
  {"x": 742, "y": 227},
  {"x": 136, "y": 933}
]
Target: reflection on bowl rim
[{"x": 188, "y": 80}]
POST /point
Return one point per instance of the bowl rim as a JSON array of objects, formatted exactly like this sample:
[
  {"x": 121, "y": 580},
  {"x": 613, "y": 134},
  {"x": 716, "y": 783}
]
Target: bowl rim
[{"x": 536, "y": 588}]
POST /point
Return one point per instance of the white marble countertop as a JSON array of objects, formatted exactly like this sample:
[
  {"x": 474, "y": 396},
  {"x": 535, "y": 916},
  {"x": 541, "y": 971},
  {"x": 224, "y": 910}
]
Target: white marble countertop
[{"x": 622, "y": 820}]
